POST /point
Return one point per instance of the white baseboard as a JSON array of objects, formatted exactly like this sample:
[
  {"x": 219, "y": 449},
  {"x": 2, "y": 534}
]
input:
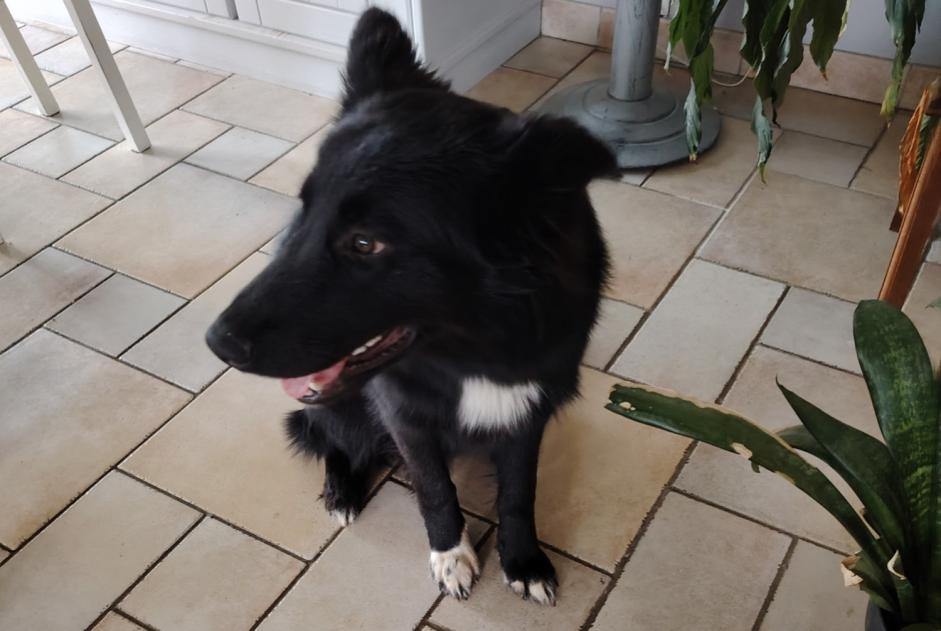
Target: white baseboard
[{"x": 263, "y": 53}]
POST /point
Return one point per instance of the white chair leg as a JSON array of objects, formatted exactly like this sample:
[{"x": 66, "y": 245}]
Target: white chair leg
[
  {"x": 97, "y": 48},
  {"x": 23, "y": 59}
]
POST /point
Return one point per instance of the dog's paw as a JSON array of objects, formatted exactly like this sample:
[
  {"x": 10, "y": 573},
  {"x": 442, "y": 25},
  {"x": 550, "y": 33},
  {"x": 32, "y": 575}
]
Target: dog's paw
[
  {"x": 456, "y": 570},
  {"x": 344, "y": 516},
  {"x": 533, "y": 578}
]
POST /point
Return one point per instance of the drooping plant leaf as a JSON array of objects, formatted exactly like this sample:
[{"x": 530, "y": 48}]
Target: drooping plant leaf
[
  {"x": 829, "y": 22},
  {"x": 865, "y": 464},
  {"x": 904, "y": 18},
  {"x": 761, "y": 126},
  {"x": 905, "y": 397},
  {"x": 728, "y": 431}
]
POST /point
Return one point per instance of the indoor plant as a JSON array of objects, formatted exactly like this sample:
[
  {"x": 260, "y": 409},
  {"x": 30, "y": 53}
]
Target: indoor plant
[
  {"x": 773, "y": 47},
  {"x": 898, "y": 481}
]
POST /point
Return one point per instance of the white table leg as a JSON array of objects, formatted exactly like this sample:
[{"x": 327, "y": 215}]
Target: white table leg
[
  {"x": 97, "y": 48},
  {"x": 23, "y": 59}
]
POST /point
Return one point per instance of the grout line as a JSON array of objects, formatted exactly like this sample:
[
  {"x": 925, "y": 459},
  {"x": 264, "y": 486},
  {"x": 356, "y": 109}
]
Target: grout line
[
  {"x": 211, "y": 514},
  {"x": 641, "y": 531},
  {"x": 809, "y": 359},
  {"x": 147, "y": 570},
  {"x": 33, "y": 329},
  {"x": 571, "y": 557},
  {"x": 55, "y": 126},
  {"x": 870, "y": 150},
  {"x": 757, "y": 521},
  {"x": 123, "y": 614},
  {"x": 433, "y": 626},
  {"x": 751, "y": 347},
  {"x": 656, "y": 303},
  {"x": 773, "y": 588}
]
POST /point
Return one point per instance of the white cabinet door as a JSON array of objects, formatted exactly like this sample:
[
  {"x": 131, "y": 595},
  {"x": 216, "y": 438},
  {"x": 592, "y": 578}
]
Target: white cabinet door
[{"x": 308, "y": 20}]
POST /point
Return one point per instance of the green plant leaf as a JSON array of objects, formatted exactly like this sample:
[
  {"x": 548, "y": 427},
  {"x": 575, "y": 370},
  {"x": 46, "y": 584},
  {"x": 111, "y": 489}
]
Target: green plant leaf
[
  {"x": 905, "y": 397},
  {"x": 829, "y": 22},
  {"x": 733, "y": 433},
  {"x": 761, "y": 126},
  {"x": 904, "y": 17},
  {"x": 908, "y": 604},
  {"x": 754, "y": 15},
  {"x": 865, "y": 464}
]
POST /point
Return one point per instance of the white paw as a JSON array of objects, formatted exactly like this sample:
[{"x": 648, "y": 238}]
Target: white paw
[
  {"x": 536, "y": 590},
  {"x": 344, "y": 516},
  {"x": 455, "y": 570}
]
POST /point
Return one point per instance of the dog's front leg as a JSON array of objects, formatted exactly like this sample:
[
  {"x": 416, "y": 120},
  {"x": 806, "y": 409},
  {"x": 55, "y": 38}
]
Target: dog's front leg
[
  {"x": 526, "y": 568},
  {"x": 454, "y": 564}
]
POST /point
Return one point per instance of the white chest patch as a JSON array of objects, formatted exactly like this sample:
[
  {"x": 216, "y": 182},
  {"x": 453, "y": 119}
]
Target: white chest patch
[{"x": 486, "y": 405}]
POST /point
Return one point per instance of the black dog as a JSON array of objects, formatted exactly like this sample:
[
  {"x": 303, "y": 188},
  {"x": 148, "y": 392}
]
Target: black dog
[{"x": 436, "y": 292}]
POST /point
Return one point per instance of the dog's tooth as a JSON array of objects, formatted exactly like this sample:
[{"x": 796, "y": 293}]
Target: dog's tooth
[
  {"x": 360, "y": 350},
  {"x": 316, "y": 387},
  {"x": 374, "y": 341}
]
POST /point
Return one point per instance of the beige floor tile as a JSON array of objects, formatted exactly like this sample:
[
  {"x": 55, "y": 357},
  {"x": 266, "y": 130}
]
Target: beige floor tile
[
  {"x": 183, "y": 230},
  {"x": 265, "y": 107},
  {"x": 815, "y": 326},
  {"x": 811, "y": 595},
  {"x": 816, "y": 158},
  {"x": 227, "y": 453},
  {"x": 288, "y": 173},
  {"x": 718, "y": 174},
  {"x": 728, "y": 479},
  {"x": 120, "y": 170},
  {"x": 583, "y": 504},
  {"x": 512, "y": 89},
  {"x": 37, "y": 39},
  {"x": 698, "y": 334},
  {"x": 152, "y": 53},
  {"x": 848, "y": 74},
  {"x": 847, "y": 120},
  {"x": 59, "y": 151},
  {"x": 927, "y": 289},
  {"x": 596, "y": 66},
  {"x": 115, "y": 314},
  {"x": 176, "y": 349},
  {"x": 571, "y": 20},
  {"x": 28, "y": 231},
  {"x": 493, "y": 607},
  {"x": 635, "y": 177},
  {"x": 615, "y": 323},
  {"x": 879, "y": 174},
  {"x": 203, "y": 68},
  {"x": 696, "y": 567},
  {"x": 12, "y": 88},
  {"x": 650, "y": 236},
  {"x": 68, "y": 57},
  {"x": 374, "y": 576},
  {"x": 69, "y": 574},
  {"x": 550, "y": 57},
  {"x": 934, "y": 252},
  {"x": 69, "y": 413},
  {"x": 116, "y": 622},
  {"x": 917, "y": 79},
  {"x": 157, "y": 87},
  {"x": 39, "y": 288},
  {"x": 809, "y": 234},
  {"x": 240, "y": 153},
  {"x": 19, "y": 129},
  {"x": 217, "y": 578}
]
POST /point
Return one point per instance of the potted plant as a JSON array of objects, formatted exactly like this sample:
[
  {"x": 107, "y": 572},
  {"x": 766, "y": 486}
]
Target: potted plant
[
  {"x": 772, "y": 45},
  {"x": 898, "y": 481}
]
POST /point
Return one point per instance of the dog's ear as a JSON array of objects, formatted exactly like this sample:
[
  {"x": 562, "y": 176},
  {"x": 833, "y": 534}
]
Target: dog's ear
[
  {"x": 381, "y": 58},
  {"x": 559, "y": 154}
]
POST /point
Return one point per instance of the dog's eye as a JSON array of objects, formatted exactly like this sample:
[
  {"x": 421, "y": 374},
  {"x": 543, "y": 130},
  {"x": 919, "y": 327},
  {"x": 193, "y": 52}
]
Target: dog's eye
[{"x": 363, "y": 244}]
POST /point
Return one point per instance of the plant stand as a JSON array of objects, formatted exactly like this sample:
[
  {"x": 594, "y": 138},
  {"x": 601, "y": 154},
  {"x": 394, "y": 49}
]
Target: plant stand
[{"x": 644, "y": 126}]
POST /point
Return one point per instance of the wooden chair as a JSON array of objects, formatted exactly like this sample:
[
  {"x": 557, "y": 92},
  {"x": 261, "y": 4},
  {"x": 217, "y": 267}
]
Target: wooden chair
[{"x": 918, "y": 206}]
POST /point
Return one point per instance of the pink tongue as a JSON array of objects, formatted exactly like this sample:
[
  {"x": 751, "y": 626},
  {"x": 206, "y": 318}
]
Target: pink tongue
[{"x": 296, "y": 387}]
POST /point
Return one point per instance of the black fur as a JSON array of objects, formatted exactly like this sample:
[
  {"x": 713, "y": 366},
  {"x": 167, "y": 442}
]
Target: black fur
[{"x": 492, "y": 256}]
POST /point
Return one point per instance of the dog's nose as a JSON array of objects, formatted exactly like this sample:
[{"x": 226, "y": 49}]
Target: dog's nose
[{"x": 227, "y": 346}]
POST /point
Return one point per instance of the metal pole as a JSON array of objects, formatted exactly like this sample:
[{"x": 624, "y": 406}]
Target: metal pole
[{"x": 635, "y": 42}]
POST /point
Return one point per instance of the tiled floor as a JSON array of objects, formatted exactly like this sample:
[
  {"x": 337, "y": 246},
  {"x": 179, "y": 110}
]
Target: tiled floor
[{"x": 145, "y": 487}]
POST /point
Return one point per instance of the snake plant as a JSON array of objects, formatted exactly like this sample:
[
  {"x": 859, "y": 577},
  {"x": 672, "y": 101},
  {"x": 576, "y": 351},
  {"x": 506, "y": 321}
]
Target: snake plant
[
  {"x": 898, "y": 481},
  {"x": 773, "y": 47}
]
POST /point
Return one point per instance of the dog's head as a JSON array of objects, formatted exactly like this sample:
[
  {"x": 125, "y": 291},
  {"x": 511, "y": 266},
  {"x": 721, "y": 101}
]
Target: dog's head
[{"x": 416, "y": 193}]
